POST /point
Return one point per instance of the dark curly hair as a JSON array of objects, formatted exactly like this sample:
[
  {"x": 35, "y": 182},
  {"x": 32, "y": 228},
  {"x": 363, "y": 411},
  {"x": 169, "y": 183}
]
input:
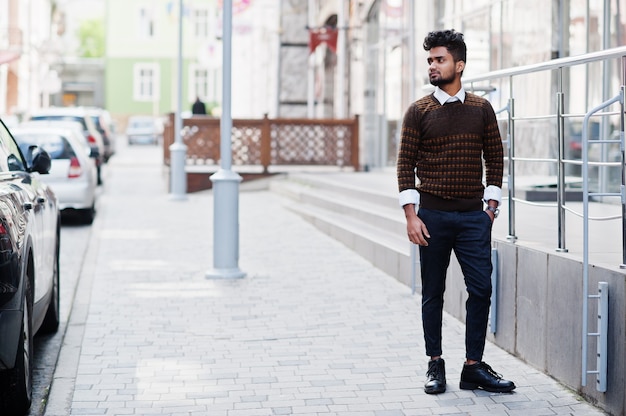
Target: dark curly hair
[{"x": 451, "y": 40}]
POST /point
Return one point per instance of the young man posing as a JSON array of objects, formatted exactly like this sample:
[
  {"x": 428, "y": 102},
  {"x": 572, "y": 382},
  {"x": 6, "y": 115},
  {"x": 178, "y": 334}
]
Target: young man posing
[{"x": 445, "y": 137}]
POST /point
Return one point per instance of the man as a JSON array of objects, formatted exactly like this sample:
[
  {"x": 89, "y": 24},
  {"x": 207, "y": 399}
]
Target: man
[
  {"x": 445, "y": 137},
  {"x": 198, "y": 107}
]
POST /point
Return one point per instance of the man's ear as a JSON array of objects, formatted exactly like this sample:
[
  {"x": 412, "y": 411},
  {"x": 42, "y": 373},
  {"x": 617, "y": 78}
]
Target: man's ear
[{"x": 460, "y": 66}]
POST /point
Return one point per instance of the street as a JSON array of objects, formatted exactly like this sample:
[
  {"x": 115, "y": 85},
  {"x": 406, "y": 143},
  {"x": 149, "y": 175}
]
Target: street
[
  {"x": 74, "y": 239},
  {"x": 74, "y": 243}
]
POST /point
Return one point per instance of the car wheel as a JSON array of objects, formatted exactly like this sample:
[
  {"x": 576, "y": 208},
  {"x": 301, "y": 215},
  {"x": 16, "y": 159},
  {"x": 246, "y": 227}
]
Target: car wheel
[
  {"x": 16, "y": 384},
  {"x": 88, "y": 215},
  {"x": 51, "y": 321}
]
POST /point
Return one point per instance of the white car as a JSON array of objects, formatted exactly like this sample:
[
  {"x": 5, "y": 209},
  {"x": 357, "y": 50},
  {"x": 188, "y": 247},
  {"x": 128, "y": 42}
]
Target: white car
[
  {"x": 83, "y": 116},
  {"x": 143, "y": 129},
  {"x": 67, "y": 124},
  {"x": 73, "y": 175}
]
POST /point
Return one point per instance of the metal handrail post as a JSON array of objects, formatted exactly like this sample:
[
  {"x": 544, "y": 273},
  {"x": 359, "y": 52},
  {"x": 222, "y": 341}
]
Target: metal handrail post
[
  {"x": 560, "y": 195},
  {"x": 622, "y": 147},
  {"x": 585, "y": 174},
  {"x": 511, "y": 174},
  {"x": 623, "y": 188}
]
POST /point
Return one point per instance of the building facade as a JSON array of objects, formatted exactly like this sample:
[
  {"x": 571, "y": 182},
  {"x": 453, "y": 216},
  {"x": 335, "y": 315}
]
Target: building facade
[
  {"x": 27, "y": 52},
  {"x": 373, "y": 68},
  {"x": 386, "y": 67},
  {"x": 141, "y": 70}
]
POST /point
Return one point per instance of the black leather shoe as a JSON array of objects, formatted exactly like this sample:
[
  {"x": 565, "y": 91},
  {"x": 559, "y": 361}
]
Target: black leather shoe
[
  {"x": 482, "y": 376},
  {"x": 435, "y": 377}
]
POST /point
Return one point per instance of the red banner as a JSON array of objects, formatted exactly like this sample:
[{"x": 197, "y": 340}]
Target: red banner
[{"x": 323, "y": 35}]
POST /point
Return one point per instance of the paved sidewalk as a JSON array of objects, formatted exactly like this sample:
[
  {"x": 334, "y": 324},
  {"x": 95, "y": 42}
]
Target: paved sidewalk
[{"x": 313, "y": 329}]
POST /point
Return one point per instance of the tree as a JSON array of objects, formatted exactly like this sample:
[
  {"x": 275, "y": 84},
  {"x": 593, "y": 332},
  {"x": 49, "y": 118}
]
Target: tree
[{"x": 91, "y": 38}]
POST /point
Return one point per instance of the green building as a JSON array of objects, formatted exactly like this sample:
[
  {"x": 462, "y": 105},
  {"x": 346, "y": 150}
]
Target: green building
[{"x": 142, "y": 50}]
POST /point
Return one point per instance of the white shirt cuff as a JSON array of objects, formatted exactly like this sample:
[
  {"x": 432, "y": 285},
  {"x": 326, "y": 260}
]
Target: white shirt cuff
[
  {"x": 409, "y": 196},
  {"x": 493, "y": 192}
]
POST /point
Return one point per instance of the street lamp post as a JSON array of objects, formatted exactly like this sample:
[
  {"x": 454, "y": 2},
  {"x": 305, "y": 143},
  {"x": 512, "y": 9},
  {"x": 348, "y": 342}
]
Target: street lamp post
[
  {"x": 225, "y": 181},
  {"x": 178, "y": 150}
]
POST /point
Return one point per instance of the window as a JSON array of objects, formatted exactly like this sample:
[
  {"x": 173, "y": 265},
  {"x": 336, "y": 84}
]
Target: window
[
  {"x": 146, "y": 79},
  {"x": 146, "y": 22},
  {"x": 56, "y": 145},
  {"x": 215, "y": 86},
  {"x": 201, "y": 23},
  {"x": 206, "y": 83},
  {"x": 10, "y": 157},
  {"x": 199, "y": 85}
]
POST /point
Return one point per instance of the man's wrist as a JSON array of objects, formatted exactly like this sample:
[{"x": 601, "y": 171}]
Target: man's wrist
[
  {"x": 494, "y": 209},
  {"x": 492, "y": 202}
]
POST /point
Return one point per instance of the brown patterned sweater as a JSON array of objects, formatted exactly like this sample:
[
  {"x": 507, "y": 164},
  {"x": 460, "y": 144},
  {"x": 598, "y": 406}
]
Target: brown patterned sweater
[{"x": 446, "y": 146}]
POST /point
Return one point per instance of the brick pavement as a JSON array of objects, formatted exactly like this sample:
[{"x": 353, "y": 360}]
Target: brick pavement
[{"x": 313, "y": 329}]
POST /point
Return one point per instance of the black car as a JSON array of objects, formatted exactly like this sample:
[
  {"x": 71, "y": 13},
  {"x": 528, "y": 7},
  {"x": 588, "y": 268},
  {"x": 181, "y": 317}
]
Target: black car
[{"x": 29, "y": 267}]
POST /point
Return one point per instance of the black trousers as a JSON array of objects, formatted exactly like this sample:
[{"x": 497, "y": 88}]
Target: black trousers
[{"x": 468, "y": 234}]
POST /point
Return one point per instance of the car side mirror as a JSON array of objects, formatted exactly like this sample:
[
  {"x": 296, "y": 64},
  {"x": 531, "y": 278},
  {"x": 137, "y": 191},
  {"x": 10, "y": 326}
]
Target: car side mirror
[{"x": 41, "y": 161}]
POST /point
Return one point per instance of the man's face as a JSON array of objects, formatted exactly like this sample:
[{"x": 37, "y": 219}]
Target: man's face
[{"x": 442, "y": 69}]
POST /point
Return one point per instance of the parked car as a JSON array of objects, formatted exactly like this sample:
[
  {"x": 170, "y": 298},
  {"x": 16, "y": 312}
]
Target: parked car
[
  {"x": 94, "y": 150},
  {"x": 83, "y": 116},
  {"x": 29, "y": 266},
  {"x": 104, "y": 123},
  {"x": 73, "y": 174},
  {"x": 143, "y": 129}
]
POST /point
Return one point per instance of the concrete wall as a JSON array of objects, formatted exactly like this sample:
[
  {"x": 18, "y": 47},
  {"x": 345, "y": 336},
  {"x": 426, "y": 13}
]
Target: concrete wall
[{"x": 539, "y": 317}]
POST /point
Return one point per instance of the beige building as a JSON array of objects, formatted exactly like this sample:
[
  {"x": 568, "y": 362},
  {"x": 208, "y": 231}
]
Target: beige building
[
  {"x": 379, "y": 66},
  {"x": 27, "y": 50}
]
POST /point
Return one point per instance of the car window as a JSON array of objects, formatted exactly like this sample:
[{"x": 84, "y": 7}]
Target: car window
[
  {"x": 96, "y": 121},
  {"x": 142, "y": 123},
  {"x": 56, "y": 145},
  {"x": 10, "y": 156}
]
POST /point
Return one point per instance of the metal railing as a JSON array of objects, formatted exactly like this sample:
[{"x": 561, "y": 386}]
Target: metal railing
[
  {"x": 603, "y": 289},
  {"x": 561, "y": 68},
  {"x": 559, "y": 116}
]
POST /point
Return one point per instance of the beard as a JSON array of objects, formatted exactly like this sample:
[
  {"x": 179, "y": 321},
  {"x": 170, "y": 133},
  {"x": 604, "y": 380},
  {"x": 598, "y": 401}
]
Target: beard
[{"x": 439, "y": 80}]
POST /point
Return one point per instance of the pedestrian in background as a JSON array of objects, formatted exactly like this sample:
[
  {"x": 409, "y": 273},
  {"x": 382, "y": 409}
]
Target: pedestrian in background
[
  {"x": 445, "y": 138},
  {"x": 198, "y": 107}
]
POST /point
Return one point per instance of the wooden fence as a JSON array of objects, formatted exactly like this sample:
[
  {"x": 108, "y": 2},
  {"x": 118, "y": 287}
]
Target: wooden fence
[{"x": 266, "y": 142}]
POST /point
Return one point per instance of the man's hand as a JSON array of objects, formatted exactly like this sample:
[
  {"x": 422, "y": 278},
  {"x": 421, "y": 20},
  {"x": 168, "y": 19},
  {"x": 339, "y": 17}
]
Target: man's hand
[{"x": 415, "y": 227}]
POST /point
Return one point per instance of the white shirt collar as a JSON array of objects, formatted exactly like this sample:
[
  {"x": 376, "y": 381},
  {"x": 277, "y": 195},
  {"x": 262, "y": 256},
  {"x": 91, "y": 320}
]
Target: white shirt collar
[{"x": 443, "y": 96}]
